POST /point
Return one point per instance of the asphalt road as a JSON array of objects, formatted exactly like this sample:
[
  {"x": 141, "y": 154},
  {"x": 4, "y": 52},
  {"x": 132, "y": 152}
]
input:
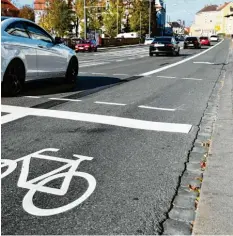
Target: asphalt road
[{"x": 138, "y": 127}]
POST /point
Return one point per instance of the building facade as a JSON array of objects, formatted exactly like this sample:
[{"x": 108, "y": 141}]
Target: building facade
[{"x": 211, "y": 20}]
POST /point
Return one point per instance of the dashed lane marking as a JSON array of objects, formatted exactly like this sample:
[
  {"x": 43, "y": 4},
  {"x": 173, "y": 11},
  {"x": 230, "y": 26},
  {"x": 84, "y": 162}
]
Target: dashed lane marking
[
  {"x": 32, "y": 97},
  {"x": 65, "y": 99},
  {"x": 122, "y": 74},
  {"x": 157, "y": 108},
  {"x": 191, "y": 79},
  {"x": 203, "y": 62},
  {"x": 96, "y": 73},
  {"x": 110, "y": 103},
  {"x": 100, "y": 119},
  {"x": 167, "y": 77}
]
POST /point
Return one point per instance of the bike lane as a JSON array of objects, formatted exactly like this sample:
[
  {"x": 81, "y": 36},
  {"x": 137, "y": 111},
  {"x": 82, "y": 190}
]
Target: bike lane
[{"x": 135, "y": 171}]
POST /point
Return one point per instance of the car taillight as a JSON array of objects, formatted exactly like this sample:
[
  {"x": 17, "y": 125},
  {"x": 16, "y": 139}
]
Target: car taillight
[
  {"x": 196, "y": 41},
  {"x": 169, "y": 45},
  {"x": 86, "y": 46}
]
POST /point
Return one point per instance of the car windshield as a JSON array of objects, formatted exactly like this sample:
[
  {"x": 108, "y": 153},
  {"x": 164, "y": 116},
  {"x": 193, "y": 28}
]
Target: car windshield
[
  {"x": 162, "y": 39},
  {"x": 204, "y": 38},
  {"x": 214, "y": 36}
]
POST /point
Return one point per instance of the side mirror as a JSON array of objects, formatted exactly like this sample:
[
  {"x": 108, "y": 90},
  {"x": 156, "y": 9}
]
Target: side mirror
[{"x": 58, "y": 40}]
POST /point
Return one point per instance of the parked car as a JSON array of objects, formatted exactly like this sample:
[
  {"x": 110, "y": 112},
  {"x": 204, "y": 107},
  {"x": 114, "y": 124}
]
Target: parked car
[
  {"x": 164, "y": 45},
  {"x": 192, "y": 42},
  {"x": 205, "y": 41},
  {"x": 29, "y": 52},
  {"x": 148, "y": 41},
  {"x": 86, "y": 46},
  {"x": 214, "y": 38}
]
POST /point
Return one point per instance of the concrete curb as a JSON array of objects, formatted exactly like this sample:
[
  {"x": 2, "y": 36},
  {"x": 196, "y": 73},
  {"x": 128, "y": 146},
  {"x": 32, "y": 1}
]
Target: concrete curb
[{"x": 182, "y": 213}]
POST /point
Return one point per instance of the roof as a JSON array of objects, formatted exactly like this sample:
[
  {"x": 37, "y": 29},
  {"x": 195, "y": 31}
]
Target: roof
[
  {"x": 208, "y": 8},
  {"x": 175, "y": 24},
  {"x": 39, "y": 4},
  {"x": 222, "y": 6},
  {"x": 6, "y": 4}
]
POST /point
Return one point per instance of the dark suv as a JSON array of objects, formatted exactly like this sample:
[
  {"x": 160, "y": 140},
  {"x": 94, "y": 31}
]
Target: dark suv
[{"x": 192, "y": 42}]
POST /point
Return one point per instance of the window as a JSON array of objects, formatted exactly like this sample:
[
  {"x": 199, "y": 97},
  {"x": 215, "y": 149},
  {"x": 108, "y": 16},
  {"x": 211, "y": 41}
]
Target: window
[
  {"x": 17, "y": 29},
  {"x": 38, "y": 33}
]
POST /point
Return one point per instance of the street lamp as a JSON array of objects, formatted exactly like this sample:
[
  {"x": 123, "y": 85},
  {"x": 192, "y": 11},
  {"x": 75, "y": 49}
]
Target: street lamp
[
  {"x": 85, "y": 20},
  {"x": 150, "y": 18}
]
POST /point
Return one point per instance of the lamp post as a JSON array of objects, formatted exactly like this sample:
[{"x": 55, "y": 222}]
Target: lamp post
[
  {"x": 85, "y": 20},
  {"x": 149, "y": 18}
]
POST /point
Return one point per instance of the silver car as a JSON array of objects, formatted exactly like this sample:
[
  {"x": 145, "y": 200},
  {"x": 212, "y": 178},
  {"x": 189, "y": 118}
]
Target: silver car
[{"x": 28, "y": 52}]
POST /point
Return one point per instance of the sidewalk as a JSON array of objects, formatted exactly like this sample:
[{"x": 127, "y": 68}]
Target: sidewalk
[{"x": 215, "y": 209}]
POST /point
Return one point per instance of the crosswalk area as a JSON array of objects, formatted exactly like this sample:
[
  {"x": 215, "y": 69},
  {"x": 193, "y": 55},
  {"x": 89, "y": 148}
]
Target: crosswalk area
[{"x": 107, "y": 57}]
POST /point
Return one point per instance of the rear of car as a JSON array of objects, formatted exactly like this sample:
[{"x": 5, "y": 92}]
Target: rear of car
[
  {"x": 148, "y": 41},
  {"x": 86, "y": 46},
  {"x": 164, "y": 45},
  {"x": 192, "y": 42},
  {"x": 205, "y": 41},
  {"x": 214, "y": 38}
]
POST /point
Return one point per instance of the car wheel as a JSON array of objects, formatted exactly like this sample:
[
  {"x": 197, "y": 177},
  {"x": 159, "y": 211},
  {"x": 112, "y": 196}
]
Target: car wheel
[
  {"x": 178, "y": 52},
  {"x": 13, "y": 79},
  {"x": 95, "y": 49},
  {"x": 72, "y": 71},
  {"x": 151, "y": 54},
  {"x": 185, "y": 47}
]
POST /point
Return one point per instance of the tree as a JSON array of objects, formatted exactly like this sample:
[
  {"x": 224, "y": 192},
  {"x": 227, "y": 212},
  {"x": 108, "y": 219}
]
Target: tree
[
  {"x": 58, "y": 17},
  {"x": 27, "y": 12},
  {"x": 140, "y": 16},
  {"x": 93, "y": 14},
  {"x": 110, "y": 16}
]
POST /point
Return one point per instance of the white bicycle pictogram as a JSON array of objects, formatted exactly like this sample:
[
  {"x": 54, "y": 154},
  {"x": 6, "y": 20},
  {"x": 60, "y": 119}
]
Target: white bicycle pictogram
[{"x": 38, "y": 184}]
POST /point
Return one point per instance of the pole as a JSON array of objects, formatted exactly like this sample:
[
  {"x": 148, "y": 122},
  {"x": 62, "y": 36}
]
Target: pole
[
  {"x": 85, "y": 21},
  {"x": 117, "y": 18},
  {"x": 140, "y": 26},
  {"x": 150, "y": 19}
]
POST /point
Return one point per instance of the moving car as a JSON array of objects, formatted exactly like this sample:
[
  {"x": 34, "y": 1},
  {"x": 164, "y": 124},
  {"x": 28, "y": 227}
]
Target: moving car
[
  {"x": 86, "y": 46},
  {"x": 214, "y": 38},
  {"x": 192, "y": 42},
  {"x": 148, "y": 41},
  {"x": 29, "y": 52},
  {"x": 164, "y": 45},
  {"x": 205, "y": 41}
]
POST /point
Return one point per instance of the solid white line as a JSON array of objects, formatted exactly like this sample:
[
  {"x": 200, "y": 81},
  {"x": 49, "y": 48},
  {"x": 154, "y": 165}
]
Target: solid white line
[
  {"x": 190, "y": 79},
  {"x": 179, "y": 62},
  {"x": 66, "y": 99},
  {"x": 110, "y": 103},
  {"x": 121, "y": 74},
  {"x": 203, "y": 62},
  {"x": 11, "y": 117},
  {"x": 32, "y": 97},
  {"x": 82, "y": 72},
  {"x": 168, "y": 77},
  {"x": 157, "y": 108},
  {"x": 100, "y": 119},
  {"x": 95, "y": 64}
]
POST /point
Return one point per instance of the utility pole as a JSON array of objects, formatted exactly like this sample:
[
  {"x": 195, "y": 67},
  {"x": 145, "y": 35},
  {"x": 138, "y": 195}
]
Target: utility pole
[
  {"x": 150, "y": 18},
  {"x": 85, "y": 20},
  {"x": 117, "y": 16},
  {"x": 140, "y": 26}
]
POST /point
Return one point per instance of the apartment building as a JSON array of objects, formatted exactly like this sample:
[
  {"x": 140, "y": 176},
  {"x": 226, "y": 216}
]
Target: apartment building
[{"x": 211, "y": 20}]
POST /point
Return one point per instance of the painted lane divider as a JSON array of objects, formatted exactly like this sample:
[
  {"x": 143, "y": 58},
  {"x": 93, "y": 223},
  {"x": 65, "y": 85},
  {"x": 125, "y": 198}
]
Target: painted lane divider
[
  {"x": 203, "y": 62},
  {"x": 110, "y": 103},
  {"x": 157, "y": 108},
  {"x": 66, "y": 99},
  {"x": 99, "y": 119},
  {"x": 179, "y": 62}
]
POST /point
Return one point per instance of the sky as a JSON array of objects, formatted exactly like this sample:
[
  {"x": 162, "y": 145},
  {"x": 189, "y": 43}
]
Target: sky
[{"x": 176, "y": 9}]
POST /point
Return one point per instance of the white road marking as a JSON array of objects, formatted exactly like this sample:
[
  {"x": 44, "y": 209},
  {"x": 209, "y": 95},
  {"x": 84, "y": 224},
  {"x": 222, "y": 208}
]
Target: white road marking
[
  {"x": 99, "y": 119},
  {"x": 94, "y": 73},
  {"x": 65, "y": 99},
  {"x": 157, "y": 108},
  {"x": 121, "y": 74},
  {"x": 32, "y": 97},
  {"x": 94, "y": 64},
  {"x": 82, "y": 72},
  {"x": 167, "y": 77},
  {"x": 11, "y": 117},
  {"x": 203, "y": 62},
  {"x": 190, "y": 79},
  {"x": 119, "y": 60},
  {"x": 179, "y": 62},
  {"x": 110, "y": 103}
]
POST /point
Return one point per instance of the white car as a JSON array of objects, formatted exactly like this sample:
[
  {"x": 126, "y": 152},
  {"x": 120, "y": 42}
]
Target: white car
[
  {"x": 28, "y": 52},
  {"x": 148, "y": 41},
  {"x": 214, "y": 38}
]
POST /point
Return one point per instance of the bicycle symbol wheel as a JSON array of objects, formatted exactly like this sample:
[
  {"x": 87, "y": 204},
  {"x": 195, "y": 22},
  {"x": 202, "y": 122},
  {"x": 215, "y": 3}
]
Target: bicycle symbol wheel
[{"x": 29, "y": 206}]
